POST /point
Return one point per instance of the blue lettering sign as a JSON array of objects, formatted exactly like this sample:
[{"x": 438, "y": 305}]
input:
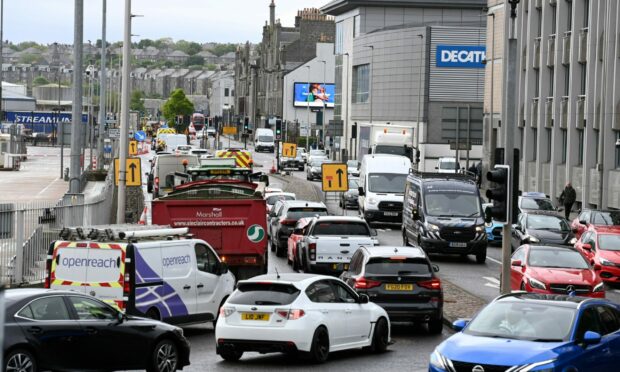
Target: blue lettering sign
[
  {"x": 41, "y": 121},
  {"x": 89, "y": 262},
  {"x": 461, "y": 56},
  {"x": 178, "y": 260}
]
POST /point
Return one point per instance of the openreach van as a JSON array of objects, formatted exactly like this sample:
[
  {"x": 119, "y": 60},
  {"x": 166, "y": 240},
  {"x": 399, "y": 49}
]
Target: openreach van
[
  {"x": 382, "y": 186},
  {"x": 443, "y": 214},
  {"x": 264, "y": 140},
  {"x": 152, "y": 272}
]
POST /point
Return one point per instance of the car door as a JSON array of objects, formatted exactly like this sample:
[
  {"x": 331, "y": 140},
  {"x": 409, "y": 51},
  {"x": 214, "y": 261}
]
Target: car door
[
  {"x": 332, "y": 313},
  {"x": 589, "y": 237},
  {"x": 348, "y": 276},
  {"x": 106, "y": 331},
  {"x": 357, "y": 321},
  {"x": 579, "y": 222},
  {"x": 610, "y": 320},
  {"x": 594, "y": 357},
  {"x": 207, "y": 280},
  {"x": 516, "y": 272},
  {"x": 517, "y": 231}
]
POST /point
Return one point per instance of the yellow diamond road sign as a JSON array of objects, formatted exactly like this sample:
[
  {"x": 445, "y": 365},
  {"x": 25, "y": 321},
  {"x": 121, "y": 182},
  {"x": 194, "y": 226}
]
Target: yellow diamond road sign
[
  {"x": 335, "y": 177},
  {"x": 132, "y": 169},
  {"x": 289, "y": 150}
]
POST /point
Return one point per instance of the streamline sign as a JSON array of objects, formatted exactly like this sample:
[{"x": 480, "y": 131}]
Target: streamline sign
[
  {"x": 40, "y": 117},
  {"x": 461, "y": 56}
]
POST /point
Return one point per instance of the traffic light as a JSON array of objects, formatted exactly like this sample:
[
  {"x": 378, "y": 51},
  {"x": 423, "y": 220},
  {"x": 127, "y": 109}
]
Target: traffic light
[
  {"x": 278, "y": 129},
  {"x": 354, "y": 131},
  {"x": 498, "y": 195},
  {"x": 417, "y": 156},
  {"x": 246, "y": 124}
]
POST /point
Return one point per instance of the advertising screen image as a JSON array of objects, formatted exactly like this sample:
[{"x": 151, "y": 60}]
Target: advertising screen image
[{"x": 316, "y": 95}]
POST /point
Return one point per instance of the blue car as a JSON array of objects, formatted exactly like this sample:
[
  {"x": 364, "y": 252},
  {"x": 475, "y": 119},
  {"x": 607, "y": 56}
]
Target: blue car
[
  {"x": 526, "y": 332},
  {"x": 493, "y": 229}
]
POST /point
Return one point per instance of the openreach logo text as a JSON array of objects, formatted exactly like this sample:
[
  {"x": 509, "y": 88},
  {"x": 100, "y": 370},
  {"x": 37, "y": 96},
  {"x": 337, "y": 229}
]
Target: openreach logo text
[
  {"x": 177, "y": 260},
  {"x": 89, "y": 262},
  {"x": 461, "y": 56}
]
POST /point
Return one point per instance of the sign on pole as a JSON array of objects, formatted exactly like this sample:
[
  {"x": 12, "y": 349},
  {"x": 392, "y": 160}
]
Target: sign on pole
[
  {"x": 134, "y": 172},
  {"x": 114, "y": 133},
  {"x": 133, "y": 148},
  {"x": 335, "y": 177},
  {"x": 140, "y": 136},
  {"x": 289, "y": 150},
  {"x": 229, "y": 130}
]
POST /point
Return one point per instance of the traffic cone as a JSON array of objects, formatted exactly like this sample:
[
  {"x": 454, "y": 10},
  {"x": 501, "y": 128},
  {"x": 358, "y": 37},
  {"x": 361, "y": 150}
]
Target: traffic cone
[{"x": 143, "y": 217}]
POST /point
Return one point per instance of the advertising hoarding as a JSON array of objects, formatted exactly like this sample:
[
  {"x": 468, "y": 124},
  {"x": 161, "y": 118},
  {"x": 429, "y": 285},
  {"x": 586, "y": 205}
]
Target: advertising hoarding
[
  {"x": 316, "y": 94},
  {"x": 460, "y": 56}
]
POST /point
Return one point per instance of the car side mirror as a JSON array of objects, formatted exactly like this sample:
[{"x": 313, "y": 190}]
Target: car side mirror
[
  {"x": 587, "y": 247},
  {"x": 373, "y": 232},
  {"x": 363, "y": 299},
  {"x": 436, "y": 167},
  {"x": 222, "y": 268},
  {"x": 591, "y": 338},
  {"x": 120, "y": 317},
  {"x": 597, "y": 267},
  {"x": 517, "y": 263},
  {"x": 360, "y": 191},
  {"x": 435, "y": 268},
  {"x": 582, "y": 222},
  {"x": 460, "y": 324},
  {"x": 265, "y": 179}
]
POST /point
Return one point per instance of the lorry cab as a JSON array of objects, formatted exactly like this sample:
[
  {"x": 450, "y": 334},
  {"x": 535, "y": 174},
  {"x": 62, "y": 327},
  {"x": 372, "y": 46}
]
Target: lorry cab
[
  {"x": 382, "y": 186},
  {"x": 443, "y": 214},
  {"x": 447, "y": 165},
  {"x": 164, "y": 168},
  {"x": 264, "y": 140},
  {"x": 145, "y": 271}
]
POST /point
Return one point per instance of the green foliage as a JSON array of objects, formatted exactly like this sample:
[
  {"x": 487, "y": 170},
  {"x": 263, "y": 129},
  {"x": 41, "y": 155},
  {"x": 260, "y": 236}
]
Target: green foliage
[
  {"x": 221, "y": 49},
  {"x": 137, "y": 103},
  {"x": 30, "y": 58},
  {"x": 188, "y": 47},
  {"x": 194, "y": 60},
  {"x": 40, "y": 80},
  {"x": 177, "y": 105},
  {"x": 28, "y": 44},
  {"x": 211, "y": 67}
]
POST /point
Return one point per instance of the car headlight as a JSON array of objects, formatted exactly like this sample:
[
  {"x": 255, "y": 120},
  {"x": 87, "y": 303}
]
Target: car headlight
[
  {"x": 537, "y": 284},
  {"x": 600, "y": 287},
  {"x": 606, "y": 262},
  {"x": 440, "y": 361},
  {"x": 432, "y": 227},
  {"x": 372, "y": 201},
  {"x": 480, "y": 228},
  {"x": 531, "y": 366},
  {"x": 531, "y": 239},
  {"x": 572, "y": 241}
]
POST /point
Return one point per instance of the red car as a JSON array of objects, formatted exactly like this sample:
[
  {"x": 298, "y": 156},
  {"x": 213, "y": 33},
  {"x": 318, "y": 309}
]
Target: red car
[
  {"x": 554, "y": 270},
  {"x": 594, "y": 218},
  {"x": 601, "y": 245},
  {"x": 298, "y": 233}
]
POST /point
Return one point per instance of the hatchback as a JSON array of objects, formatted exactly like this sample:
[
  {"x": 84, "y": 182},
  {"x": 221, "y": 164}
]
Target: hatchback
[{"x": 601, "y": 245}]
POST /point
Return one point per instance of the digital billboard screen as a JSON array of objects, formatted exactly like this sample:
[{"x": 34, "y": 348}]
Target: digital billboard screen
[{"x": 316, "y": 95}]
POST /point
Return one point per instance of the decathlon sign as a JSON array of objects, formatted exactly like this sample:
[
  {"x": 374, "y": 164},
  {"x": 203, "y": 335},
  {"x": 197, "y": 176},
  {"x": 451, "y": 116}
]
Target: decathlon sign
[{"x": 461, "y": 56}]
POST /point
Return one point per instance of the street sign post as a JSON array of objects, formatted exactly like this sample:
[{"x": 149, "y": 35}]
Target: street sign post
[
  {"x": 134, "y": 172},
  {"x": 133, "y": 148},
  {"x": 289, "y": 150},
  {"x": 114, "y": 133},
  {"x": 335, "y": 177}
]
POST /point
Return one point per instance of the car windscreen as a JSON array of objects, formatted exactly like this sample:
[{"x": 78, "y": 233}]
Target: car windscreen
[
  {"x": 401, "y": 266},
  {"x": 541, "y": 222},
  {"x": 452, "y": 204},
  {"x": 264, "y": 294},
  {"x": 609, "y": 242},
  {"x": 537, "y": 204},
  {"x": 297, "y": 213},
  {"x": 606, "y": 218},
  {"x": 317, "y": 152},
  {"x": 353, "y": 185},
  {"x": 341, "y": 228},
  {"x": 352, "y": 163},
  {"x": 317, "y": 162},
  {"x": 448, "y": 165},
  {"x": 271, "y": 200},
  {"x": 265, "y": 138},
  {"x": 387, "y": 183},
  {"x": 556, "y": 258},
  {"x": 523, "y": 321},
  {"x": 392, "y": 150}
]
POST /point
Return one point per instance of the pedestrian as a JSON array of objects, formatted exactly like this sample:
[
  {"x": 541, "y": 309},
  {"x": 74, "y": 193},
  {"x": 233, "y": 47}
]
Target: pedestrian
[
  {"x": 479, "y": 174},
  {"x": 567, "y": 198}
]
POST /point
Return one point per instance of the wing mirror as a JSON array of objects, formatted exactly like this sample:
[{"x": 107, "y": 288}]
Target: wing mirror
[
  {"x": 587, "y": 247},
  {"x": 120, "y": 317},
  {"x": 435, "y": 268},
  {"x": 597, "y": 267},
  {"x": 373, "y": 232},
  {"x": 363, "y": 299},
  {"x": 591, "y": 338},
  {"x": 360, "y": 190},
  {"x": 517, "y": 263},
  {"x": 222, "y": 268},
  {"x": 460, "y": 324}
]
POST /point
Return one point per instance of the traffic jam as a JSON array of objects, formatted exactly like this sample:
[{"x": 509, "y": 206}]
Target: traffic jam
[{"x": 217, "y": 222}]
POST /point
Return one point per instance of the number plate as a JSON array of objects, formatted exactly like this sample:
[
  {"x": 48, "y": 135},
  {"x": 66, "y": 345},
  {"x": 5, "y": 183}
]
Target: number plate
[
  {"x": 399, "y": 287},
  {"x": 255, "y": 316},
  {"x": 391, "y": 214},
  {"x": 458, "y": 245},
  {"x": 340, "y": 266}
]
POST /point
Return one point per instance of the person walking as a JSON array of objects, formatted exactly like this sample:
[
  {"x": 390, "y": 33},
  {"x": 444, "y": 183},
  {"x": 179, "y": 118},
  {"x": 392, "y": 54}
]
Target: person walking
[
  {"x": 479, "y": 174},
  {"x": 567, "y": 198}
]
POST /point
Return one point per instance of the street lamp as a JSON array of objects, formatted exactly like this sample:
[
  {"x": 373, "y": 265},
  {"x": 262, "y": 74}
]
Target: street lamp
[
  {"x": 323, "y": 100},
  {"x": 417, "y": 134},
  {"x": 308, "y": 112},
  {"x": 372, "y": 76}
]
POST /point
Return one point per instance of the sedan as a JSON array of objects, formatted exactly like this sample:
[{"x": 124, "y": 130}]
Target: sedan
[
  {"x": 60, "y": 330},
  {"x": 541, "y": 228},
  {"x": 554, "y": 270},
  {"x": 291, "y": 313},
  {"x": 602, "y": 246},
  {"x": 592, "y": 218},
  {"x": 314, "y": 169},
  {"x": 349, "y": 198}
]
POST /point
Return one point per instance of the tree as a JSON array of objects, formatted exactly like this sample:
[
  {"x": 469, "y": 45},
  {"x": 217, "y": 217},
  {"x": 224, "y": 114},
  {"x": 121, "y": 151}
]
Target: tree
[
  {"x": 29, "y": 59},
  {"x": 40, "y": 80},
  {"x": 137, "y": 102},
  {"x": 211, "y": 67},
  {"x": 221, "y": 49},
  {"x": 194, "y": 60},
  {"x": 175, "y": 106},
  {"x": 145, "y": 43}
]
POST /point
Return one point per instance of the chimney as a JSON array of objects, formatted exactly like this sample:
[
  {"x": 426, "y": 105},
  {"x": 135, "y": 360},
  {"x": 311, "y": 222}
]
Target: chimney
[{"x": 272, "y": 13}]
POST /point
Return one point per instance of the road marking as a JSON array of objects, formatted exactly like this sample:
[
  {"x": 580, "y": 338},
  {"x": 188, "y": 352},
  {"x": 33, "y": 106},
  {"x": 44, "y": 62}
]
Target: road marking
[
  {"x": 617, "y": 290},
  {"x": 494, "y": 260},
  {"x": 48, "y": 186},
  {"x": 494, "y": 283}
]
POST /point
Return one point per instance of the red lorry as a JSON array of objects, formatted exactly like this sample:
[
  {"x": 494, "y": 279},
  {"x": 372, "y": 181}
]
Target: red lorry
[{"x": 228, "y": 214}]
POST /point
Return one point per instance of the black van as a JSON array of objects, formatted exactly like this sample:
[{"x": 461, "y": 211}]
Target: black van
[{"x": 443, "y": 213}]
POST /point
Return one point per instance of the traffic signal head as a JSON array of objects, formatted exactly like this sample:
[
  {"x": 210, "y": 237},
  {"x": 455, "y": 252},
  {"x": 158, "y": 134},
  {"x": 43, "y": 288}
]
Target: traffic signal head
[
  {"x": 246, "y": 123},
  {"x": 498, "y": 195},
  {"x": 278, "y": 129},
  {"x": 417, "y": 156}
]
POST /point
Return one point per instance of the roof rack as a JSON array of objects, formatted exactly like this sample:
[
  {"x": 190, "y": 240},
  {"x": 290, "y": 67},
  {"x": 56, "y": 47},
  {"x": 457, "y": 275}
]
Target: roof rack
[
  {"x": 121, "y": 232},
  {"x": 446, "y": 176}
]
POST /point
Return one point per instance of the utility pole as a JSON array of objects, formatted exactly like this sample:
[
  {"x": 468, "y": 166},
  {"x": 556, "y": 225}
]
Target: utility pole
[
  {"x": 510, "y": 124},
  {"x": 308, "y": 113},
  {"x": 417, "y": 134},
  {"x": 120, "y": 211},
  {"x": 324, "y": 104},
  {"x": 102, "y": 88},
  {"x": 76, "y": 114},
  {"x": 346, "y": 114},
  {"x": 1, "y": 57}
]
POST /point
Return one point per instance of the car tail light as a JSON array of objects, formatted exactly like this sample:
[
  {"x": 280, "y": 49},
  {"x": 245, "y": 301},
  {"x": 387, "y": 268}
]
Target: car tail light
[
  {"x": 292, "y": 314},
  {"x": 226, "y": 311},
  {"x": 363, "y": 283},
  {"x": 127, "y": 284},
  {"x": 431, "y": 284},
  {"x": 312, "y": 251},
  {"x": 156, "y": 181},
  {"x": 288, "y": 222}
]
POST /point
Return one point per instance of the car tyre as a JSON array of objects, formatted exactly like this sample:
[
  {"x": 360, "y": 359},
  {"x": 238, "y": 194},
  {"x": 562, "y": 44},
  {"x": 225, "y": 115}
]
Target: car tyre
[
  {"x": 20, "y": 360},
  {"x": 435, "y": 326},
  {"x": 231, "y": 355},
  {"x": 165, "y": 357},
  {"x": 319, "y": 352},
  {"x": 481, "y": 256},
  {"x": 380, "y": 337}
]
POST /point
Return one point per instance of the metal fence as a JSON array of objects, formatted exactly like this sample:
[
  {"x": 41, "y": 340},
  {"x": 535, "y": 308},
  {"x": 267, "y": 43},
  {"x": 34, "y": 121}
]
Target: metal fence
[{"x": 27, "y": 230}]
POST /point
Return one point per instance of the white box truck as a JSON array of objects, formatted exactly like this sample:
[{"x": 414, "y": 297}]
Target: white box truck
[{"x": 385, "y": 139}]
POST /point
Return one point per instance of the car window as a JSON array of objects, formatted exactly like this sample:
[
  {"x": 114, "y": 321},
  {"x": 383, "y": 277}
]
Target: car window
[
  {"x": 341, "y": 228},
  {"x": 48, "y": 308},
  {"x": 585, "y": 216},
  {"x": 343, "y": 295},
  {"x": 266, "y": 293},
  {"x": 396, "y": 265},
  {"x": 271, "y": 200},
  {"x": 205, "y": 259},
  {"x": 544, "y": 222},
  {"x": 606, "y": 218},
  {"x": 88, "y": 309},
  {"x": 519, "y": 255},
  {"x": 537, "y": 204},
  {"x": 609, "y": 320},
  {"x": 608, "y": 242},
  {"x": 585, "y": 237},
  {"x": 321, "y": 291},
  {"x": 356, "y": 261},
  {"x": 588, "y": 321},
  {"x": 297, "y": 213},
  {"x": 557, "y": 258}
]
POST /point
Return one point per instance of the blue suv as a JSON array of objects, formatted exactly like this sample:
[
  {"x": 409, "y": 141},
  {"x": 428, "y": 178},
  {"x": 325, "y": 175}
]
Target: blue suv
[{"x": 523, "y": 332}]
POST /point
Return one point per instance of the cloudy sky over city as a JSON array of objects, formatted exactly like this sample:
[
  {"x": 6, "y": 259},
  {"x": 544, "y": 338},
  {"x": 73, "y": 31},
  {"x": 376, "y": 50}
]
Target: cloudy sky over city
[{"x": 48, "y": 21}]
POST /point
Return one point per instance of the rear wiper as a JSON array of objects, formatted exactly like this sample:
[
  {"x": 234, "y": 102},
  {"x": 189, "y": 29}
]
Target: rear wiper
[{"x": 266, "y": 303}]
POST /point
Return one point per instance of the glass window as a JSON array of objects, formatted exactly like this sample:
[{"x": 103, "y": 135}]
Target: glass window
[
  {"x": 387, "y": 183},
  {"x": 321, "y": 291},
  {"x": 343, "y": 295},
  {"x": 205, "y": 259},
  {"x": 49, "y": 308},
  {"x": 297, "y": 213},
  {"x": 356, "y": 262},
  {"x": 549, "y": 140},
  {"x": 340, "y": 228},
  {"x": 534, "y": 143},
  {"x": 542, "y": 222},
  {"x": 564, "y": 145},
  {"x": 88, "y": 309},
  {"x": 264, "y": 294},
  {"x": 606, "y": 218},
  {"x": 608, "y": 242},
  {"x": 537, "y": 204},
  {"x": 452, "y": 204},
  {"x": 274, "y": 198},
  {"x": 361, "y": 83},
  {"x": 557, "y": 258},
  {"x": 338, "y": 46},
  {"x": 26, "y": 312},
  {"x": 588, "y": 322},
  {"x": 519, "y": 255},
  {"x": 580, "y": 144},
  {"x": 396, "y": 265},
  {"x": 226, "y": 92},
  {"x": 609, "y": 319}
]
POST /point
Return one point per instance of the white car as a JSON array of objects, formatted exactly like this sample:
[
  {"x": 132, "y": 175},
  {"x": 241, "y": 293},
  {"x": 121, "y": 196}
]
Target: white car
[
  {"x": 183, "y": 149},
  {"x": 272, "y": 197},
  {"x": 290, "y": 313}
]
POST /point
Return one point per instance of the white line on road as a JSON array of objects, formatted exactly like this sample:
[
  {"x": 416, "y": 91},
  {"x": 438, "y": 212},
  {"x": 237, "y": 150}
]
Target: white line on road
[
  {"x": 494, "y": 260},
  {"x": 48, "y": 186},
  {"x": 491, "y": 285},
  {"x": 491, "y": 279}
]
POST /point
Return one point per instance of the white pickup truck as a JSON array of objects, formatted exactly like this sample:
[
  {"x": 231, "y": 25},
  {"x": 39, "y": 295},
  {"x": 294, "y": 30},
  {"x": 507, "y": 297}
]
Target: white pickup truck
[{"x": 331, "y": 241}]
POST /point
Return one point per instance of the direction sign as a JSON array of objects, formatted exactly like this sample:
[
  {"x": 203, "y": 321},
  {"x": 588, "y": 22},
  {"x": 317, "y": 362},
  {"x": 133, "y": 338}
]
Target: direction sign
[
  {"x": 114, "y": 132},
  {"x": 140, "y": 136},
  {"x": 133, "y": 170},
  {"x": 335, "y": 177},
  {"x": 229, "y": 130},
  {"x": 289, "y": 150},
  {"x": 133, "y": 148}
]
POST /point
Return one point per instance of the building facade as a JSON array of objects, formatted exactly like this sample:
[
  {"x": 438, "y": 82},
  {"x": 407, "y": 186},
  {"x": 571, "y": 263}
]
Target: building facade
[{"x": 222, "y": 95}]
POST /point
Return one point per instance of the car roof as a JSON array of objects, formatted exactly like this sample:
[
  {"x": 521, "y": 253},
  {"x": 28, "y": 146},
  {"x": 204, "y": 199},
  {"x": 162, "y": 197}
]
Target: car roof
[
  {"x": 605, "y": 229},
  {"x": 546, "y": 299},
  {"x": 23, "y": 293},
  {"x": 340, "y": 218},
  {"x": 286, "y": 278},
  {"x": 302, "y": 203},
  {"x": 389, "y": 251},
  {"x": 534, "y": 194},
  {"x": 541, "y": 212}
]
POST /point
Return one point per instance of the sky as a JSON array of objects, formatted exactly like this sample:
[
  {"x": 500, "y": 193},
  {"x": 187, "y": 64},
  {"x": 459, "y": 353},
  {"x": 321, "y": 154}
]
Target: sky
[{"x": 226, "y": 21}]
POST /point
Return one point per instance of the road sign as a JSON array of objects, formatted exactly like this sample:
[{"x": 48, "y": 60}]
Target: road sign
[
  {"x": 289, "y": 150},
  {"x": 133, "y": 148},
  {"x": 133, "y": 169},
  {"x": 114, "y": 132},
  {"x": 229, "y": 130},
  {"x": 335, "y": 177},
  {"x": 140, "y": 136}
]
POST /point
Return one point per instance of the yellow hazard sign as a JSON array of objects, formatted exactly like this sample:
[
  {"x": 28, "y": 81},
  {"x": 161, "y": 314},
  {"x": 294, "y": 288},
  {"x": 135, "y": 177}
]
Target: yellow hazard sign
[
  {"x": 133, "y": 171},
  {"x": 335, "y": 177},
  {"x": 289, "y": 150},
  {"x": 229, "y": 130},
  {"x": 133, "y": 148}
]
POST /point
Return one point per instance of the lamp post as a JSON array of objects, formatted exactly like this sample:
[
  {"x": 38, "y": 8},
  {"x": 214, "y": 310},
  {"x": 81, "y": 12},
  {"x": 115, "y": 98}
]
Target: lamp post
[
  {"x": 324, "y": 104},
  {"x": 491, "y": 137},
  {"x": 417, "y": 134},
  {"x": 346, "y": 126},
  {"x": 123, "y": 150},
  {"x": 372, "y": 76},
  {"x": 1, "y": 51},
  {"x": 308, "y": 113}
]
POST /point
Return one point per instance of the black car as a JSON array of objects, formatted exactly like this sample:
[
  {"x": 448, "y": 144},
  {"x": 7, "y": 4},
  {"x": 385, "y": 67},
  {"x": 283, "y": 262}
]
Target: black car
[
  {"x": 350, "y": 198},
  {"x": 401, "y": 280},
  {"x": 61, "y": 330},
  {"x": 541, "y": 228}
]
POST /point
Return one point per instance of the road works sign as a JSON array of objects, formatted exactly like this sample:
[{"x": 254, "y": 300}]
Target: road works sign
[
  {"x": 289, "y": 150},
  {"x": 133, "y": 148},
  {"x": 335, "y": 177},
  {"x": 229, "y": 130},
  {"x": 133, "y": 169}
]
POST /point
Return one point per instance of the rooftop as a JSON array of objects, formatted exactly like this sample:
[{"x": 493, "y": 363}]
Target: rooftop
[{"x": 337, "y": 7}]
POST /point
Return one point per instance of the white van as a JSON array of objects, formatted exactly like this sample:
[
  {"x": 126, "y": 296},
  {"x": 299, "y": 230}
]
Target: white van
[
  {"x": 173, "y": 141},
  {"x": 161, "y": 180},
  {"x": 263, "y": 140},
  {"x": 382, "y": 183},
  {"x": 179, "y": 281},
  {"x": 447, "y": 165}
]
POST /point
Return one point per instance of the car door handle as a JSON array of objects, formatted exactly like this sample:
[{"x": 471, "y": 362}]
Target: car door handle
[
  {"x": 200, "y": 285},
  {"x": 91, "y": 330},
  {"x": 345, "y": 244},
  {"x": 324, "y": 311},
  {"x": 35, "y": 330},
  {"x": 187, "y": 287},
  {"x": 344, "y": 252}
]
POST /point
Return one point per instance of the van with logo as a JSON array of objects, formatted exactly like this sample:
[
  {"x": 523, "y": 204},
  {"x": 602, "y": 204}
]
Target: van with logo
[{"x": 178, "y": 281}]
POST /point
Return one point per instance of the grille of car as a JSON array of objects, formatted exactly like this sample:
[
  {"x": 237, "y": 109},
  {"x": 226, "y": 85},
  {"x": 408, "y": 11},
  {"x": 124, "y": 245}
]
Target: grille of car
[
  {"x": 456, "y": 234},
  {"x": 562, "y": 288},
  {"x": 469, "y": 367},
  {"x": 391, "y": 206},
  {"x": 497, "y": 231}
]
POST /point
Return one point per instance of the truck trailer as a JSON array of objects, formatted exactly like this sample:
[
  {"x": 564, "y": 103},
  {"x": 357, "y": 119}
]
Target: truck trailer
[{"x": 385, "y": 139}]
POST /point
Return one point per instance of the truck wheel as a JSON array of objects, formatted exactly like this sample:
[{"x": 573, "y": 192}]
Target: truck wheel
[
  {"x": 481, "y": 256},
  {"x": 266, "y": 265}
]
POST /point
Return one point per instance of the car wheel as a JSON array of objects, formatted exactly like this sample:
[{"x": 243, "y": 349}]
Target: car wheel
[
  {"x": 320, "y": 346},
  {"x": 165, "y": 357},
  {"x": 481, "y": 256},
  {"x": 295, "y": 263},
  {"x": 435, "y": 326},
  {"x": 279, "y": 250},
  {"x": 20, "y": 360},
  {"x": 380, "y": 336},
  {"x": 217, "y": 312},
  {"x": 153, "y": 313}
]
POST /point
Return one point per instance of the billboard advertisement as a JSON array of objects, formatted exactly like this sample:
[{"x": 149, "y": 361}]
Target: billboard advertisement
[
  {"x": 461, "y": 56},
  {"x": 316, "y": 94},
  {"x": 40, "y": 121}
]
